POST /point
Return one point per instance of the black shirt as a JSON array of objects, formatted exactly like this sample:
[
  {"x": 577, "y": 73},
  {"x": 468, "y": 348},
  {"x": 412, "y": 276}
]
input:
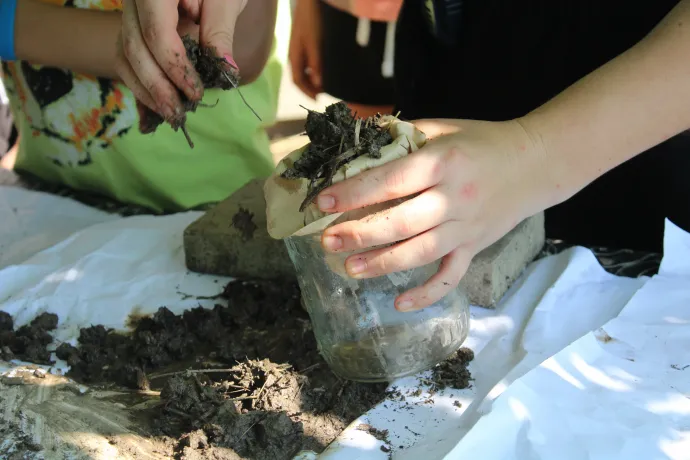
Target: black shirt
[{"x": 510, "y": 57}]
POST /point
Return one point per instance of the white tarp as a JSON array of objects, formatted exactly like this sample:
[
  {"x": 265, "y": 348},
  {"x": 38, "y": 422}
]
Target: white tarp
[{"x": 565, "y": 392}]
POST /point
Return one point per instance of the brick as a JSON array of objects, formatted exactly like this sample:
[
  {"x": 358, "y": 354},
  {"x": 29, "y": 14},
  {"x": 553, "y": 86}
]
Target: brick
[
  {"x": 231, "y": 239},
  {"x": 496, "y": 268},
  {"x": 215, "y": 245}
]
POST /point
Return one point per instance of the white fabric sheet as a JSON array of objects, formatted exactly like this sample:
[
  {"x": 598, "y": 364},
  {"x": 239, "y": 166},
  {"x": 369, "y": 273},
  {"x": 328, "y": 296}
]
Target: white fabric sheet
[{"x": 545, "y": 385}]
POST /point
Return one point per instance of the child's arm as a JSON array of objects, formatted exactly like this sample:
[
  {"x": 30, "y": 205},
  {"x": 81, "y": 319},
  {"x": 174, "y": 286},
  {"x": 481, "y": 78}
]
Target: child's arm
[
  {"x": 81, "y": 40},
  {"x": 254, "y": 37},
  {"x": 85, "y": 41}
]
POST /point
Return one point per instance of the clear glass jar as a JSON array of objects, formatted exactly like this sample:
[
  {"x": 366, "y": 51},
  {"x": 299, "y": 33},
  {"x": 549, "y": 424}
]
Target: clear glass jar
[{"x": 360, "y": 333}]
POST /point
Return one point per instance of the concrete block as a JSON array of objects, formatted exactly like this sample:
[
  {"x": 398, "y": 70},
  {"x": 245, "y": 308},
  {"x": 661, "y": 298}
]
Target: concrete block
[
  {"x": 231, "y": 239},
  {"x": 494, "y": 270}
]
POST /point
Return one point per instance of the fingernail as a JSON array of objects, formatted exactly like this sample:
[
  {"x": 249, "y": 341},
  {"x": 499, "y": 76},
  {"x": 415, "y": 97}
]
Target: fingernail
[
  {"x": 195, "y": 91},
  {"x": 326, "y": 202},
  {"x": 167, "y": 111},
  {"x": 230, "y": 61},
  {"x": 332, "y": 242},
  {"x": 355, "y": 266},
  {"x": 405, "y": 304}
]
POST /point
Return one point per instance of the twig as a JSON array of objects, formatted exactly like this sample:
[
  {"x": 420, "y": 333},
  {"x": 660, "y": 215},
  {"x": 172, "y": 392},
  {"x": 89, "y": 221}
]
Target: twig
[
  {"x": 242, "y": 398},
  {"x": 201, "y": 104},
  {"x": 208, "y": 413},
  {"x": 200, "y": 297},
  {"x": 313, "y": 366},
  {"x": 193, "y": 371},
  {"x": 241, "y": 95},
  {"x": 186, "y": 135},
  {"x": 299, "y": 390},
  {"x": 178, "y": 412},
  {"x": 358, "y": 128},
  {"x": 140, "y": 392},
  {"x": 261, "y": 390},
  {"x": 342, "y": 388},
  {"x": 239, "y": 387},
  {"x": 252, "y": 426}
]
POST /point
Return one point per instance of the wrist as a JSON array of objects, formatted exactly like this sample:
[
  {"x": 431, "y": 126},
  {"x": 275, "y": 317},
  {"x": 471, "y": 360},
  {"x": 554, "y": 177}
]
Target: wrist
[
  {"x": 8, "y": 12},
  {"x": 550, "y": 181}
]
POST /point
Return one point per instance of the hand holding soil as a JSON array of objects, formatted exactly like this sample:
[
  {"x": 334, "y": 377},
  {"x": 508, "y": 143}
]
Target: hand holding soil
[
  {"x": 475, "y": 182},
  {"x": 152, "y": 59}
]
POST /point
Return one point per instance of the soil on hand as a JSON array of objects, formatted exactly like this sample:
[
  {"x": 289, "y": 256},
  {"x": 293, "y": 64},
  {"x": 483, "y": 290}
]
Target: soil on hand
[
  {"x": 214, "y": 72},
  {"x": 336, "y": 138},
  {"x": 27, "y": 343}
]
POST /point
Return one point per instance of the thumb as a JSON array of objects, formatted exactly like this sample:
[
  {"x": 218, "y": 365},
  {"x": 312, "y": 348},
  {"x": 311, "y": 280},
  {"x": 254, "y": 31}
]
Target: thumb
[{"x": 218, "y": 19}]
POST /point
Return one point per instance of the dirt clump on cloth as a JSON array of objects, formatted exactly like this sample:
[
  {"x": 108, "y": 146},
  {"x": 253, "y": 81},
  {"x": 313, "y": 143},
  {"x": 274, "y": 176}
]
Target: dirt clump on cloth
[
  {"x": 215, "y": 73},
  {"x": 453, "y": 372},
  {"x": 258, "y": 389},
  {"x": 27, "y": 343},
  {"x": 243, "y": 381}
]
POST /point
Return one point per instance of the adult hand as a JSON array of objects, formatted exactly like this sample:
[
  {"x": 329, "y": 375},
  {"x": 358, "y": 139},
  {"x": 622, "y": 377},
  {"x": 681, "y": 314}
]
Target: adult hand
[
  {"x": 475, "y": 182},
  {"x": 152, "y": 60},
  {"x": 305, "y": 47}
]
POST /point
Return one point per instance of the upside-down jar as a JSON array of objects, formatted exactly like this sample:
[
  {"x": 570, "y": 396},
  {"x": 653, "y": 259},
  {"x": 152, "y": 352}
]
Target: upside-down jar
[{"x": 360, "y": 334}]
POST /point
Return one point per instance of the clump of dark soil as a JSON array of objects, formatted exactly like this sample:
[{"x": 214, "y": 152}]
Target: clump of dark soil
[
  {"x": 259, "y": 387},
  {"x": 381, "y": 435},
  {"x": 265, "y": 320},
  {"x": 247, "y": 410},
  {"x": 215, "y": 72},
  {"x": 453, "y": 372},
  {"x": 336, "y": 138},
  {"x": 243, "y": 381},
  {"x": 29, "y": 342}
]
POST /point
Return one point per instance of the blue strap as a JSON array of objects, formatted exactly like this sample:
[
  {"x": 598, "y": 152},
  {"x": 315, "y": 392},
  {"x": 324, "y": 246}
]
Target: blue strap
[{"x": 8, "y": 10}]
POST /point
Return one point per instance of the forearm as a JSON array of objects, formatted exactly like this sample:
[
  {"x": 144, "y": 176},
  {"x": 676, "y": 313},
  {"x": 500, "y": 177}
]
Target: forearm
[
  {"x": 629, "y": 105},
  {"x": 254, "y": 37},
  {"x": 76, "y": 39}
]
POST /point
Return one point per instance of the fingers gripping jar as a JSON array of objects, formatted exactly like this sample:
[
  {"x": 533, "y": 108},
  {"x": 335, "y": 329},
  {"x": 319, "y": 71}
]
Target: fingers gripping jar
[{"x": 360, "y": 334}]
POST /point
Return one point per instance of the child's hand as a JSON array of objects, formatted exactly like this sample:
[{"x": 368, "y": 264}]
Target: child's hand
[
  {"x": 152, "y": 60},
  {"x": 476, "y": 181},
  {"x": 305, "y": 47}
]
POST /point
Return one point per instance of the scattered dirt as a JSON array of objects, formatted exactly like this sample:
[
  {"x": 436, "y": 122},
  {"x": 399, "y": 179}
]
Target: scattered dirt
[
  {"x": 453, "y": 372},
  {"x": 244, "y": 381},
  {"x": 214, "y": 71},
  {"x": 381, "y": 435},
  {"x": 238, "y": 399},
  {"x": 28, "y": 343},
  {"x": 336, "y": 138},
  {"x": 243, "y": 221}
]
